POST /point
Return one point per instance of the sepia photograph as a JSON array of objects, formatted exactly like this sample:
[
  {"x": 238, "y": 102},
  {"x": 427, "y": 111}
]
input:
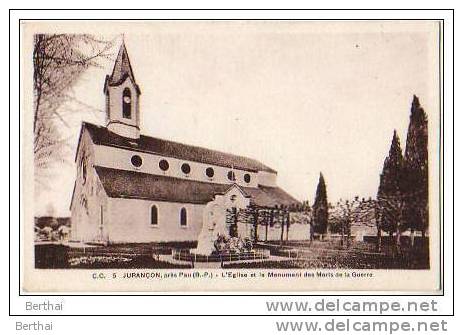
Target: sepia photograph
[{"x": 277, "y": 149}]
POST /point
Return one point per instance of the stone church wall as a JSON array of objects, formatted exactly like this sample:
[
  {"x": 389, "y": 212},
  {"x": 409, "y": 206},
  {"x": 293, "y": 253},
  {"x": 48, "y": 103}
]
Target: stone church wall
[
  {"x": 130, "y": 221},
  {"x": 88, "y": 209}
]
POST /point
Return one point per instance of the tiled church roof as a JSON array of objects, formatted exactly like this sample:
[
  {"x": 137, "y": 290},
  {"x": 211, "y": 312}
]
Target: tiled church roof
[
  {"x": 102, "y": 136},
  {"x": 129, "y": 184}
]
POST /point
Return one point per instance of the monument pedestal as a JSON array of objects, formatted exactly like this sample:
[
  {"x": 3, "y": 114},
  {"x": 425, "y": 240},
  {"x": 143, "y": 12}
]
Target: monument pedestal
[{"x": 214, "y": 218}]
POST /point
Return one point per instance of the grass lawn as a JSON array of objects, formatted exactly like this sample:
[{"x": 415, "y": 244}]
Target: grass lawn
[
  {"x": 122, "y": 262},
  {"x": 330, "y": 255},
  {"x": 292, "y": 255},
  {"x": 338, "y": 262}
]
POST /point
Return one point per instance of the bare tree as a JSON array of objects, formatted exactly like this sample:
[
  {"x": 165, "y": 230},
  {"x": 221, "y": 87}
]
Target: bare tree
[
  {"x": 268, "y": 222},
  {"x": 281, "y": 218},
  {"x": 59, "y": 61},
  {"x": 345, "y": 213},
  {"x": 254, "y": 216}
]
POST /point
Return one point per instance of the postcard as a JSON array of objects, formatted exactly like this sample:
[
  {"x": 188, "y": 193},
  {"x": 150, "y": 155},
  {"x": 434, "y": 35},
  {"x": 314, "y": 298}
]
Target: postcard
[{"x": 186, "y": 156}]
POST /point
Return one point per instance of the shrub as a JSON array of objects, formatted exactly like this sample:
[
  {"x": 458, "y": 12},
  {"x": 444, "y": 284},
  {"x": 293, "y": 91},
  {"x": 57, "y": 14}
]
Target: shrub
[{"x": 234, "y": 245}]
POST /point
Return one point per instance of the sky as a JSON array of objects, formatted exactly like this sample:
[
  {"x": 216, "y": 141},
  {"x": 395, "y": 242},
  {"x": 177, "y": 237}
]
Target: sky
[{"x": 301, "y": 97}]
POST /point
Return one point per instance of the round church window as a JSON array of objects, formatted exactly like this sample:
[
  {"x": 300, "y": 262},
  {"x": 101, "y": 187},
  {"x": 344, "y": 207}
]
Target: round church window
[
  {"x": 136, "y": 161},
  {"x": 186, "y": 168},
  {"x": 210, "y": 172},
  {"x": 164, "y": 165},
  {"x": 247, "y": 178}
]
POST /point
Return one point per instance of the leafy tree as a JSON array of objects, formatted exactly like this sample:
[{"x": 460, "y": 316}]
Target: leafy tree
[
  {"x": 320, "y": 207},
  {"x": 403, "y": 190},
  {"x": 390, "y": 196},
  {"x": 416, "y": 209}
]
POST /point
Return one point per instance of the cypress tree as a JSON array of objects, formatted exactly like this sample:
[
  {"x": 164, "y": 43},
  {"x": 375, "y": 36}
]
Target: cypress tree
[
  {"x": 416, "y": 210},
  {"x": 320, "y": 207},
  {"x": 390, "y": 199}
]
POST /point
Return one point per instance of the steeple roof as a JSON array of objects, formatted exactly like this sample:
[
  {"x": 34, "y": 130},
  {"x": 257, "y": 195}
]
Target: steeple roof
[{"x": 122, "y": 69}]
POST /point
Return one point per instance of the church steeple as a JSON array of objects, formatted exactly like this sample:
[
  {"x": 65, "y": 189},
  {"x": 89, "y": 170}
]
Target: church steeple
[
  {"x": 122, "y": 68},
  {"x": 122, "y": 98}
]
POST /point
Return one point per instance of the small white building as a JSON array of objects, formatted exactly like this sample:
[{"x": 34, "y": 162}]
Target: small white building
[{"x": 135, "y": 188}]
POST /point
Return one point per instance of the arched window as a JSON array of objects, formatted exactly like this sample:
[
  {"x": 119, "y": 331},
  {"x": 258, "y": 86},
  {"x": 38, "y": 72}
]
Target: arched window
[
  {"x": 84, "y": 171},
  {"x": 127, "y": 104},
  {"x": 83, "y": 164},
  {"x": 183, "y": 218},
  {"x": 247, "y": 178},
  {"x": 231, "y": 176},
  {"x": 154, "y": 215}
]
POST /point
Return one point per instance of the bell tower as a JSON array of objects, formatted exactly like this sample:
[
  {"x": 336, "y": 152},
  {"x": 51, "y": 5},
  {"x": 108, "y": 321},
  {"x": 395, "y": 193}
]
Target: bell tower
[{"x": 122, "y": 98}]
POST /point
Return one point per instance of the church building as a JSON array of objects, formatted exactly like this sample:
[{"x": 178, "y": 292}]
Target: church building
[{"x": 132, "y": 187}]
